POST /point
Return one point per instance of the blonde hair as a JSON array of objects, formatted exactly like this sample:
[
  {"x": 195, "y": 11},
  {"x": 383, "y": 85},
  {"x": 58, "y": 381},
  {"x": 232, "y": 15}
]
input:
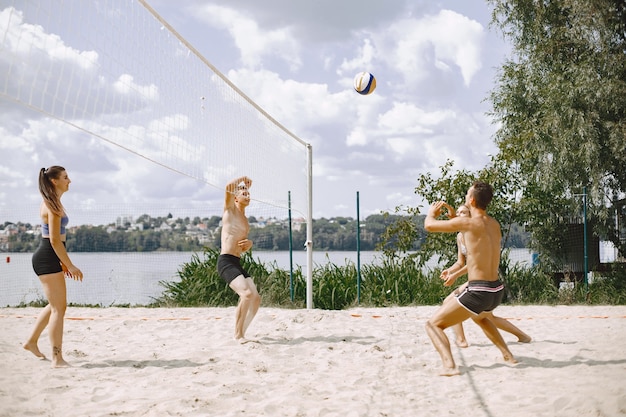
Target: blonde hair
[
  {"x": 47, "y": 190},
  {"x": 469, "y": 213}
]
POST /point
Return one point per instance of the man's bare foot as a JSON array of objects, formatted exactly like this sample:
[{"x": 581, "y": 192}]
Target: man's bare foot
[
  {"x": 525, "y": 339},
  {"x": 510, "y": 360},
  {"x": 34, "y": 349},
  {"x": 243, "y": 341},
  {"x": 60, "y": 364},
  {"x": 450, "y": 372},
  {"x": 461, "y": 343}
]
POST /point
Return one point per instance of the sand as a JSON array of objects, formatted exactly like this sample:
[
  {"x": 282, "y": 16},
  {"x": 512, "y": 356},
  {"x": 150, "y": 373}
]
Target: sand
[{"x": 358, "y": 362}]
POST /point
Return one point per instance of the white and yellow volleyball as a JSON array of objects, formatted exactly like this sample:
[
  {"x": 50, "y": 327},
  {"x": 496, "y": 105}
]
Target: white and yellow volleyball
[{"x": 364, "y": 83}]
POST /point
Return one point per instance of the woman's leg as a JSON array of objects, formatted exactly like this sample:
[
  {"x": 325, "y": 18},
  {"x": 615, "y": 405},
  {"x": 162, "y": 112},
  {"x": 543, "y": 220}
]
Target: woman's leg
[
  {"x": 491, "y": 331},
  {"x": 54, "y": 288},
  {"x": 459, "y": 333},
  {"x": 41, "y": 323},
  {"x": 507, "y": 326}
]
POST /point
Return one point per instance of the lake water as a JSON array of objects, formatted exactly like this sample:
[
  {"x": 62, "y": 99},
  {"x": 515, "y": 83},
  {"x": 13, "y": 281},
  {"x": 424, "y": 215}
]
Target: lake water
[
  {"x": 133, "y": 277},
  {"x": 129, "y": 277}
]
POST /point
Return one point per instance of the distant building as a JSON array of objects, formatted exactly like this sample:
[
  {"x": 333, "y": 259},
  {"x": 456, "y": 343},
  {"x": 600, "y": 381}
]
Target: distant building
[
  {"x": 296, "y": 224},
  {"x": 122, "y": 221},
  {"x": 4, "y": 240},
  {"x": 136, "y": 226}
]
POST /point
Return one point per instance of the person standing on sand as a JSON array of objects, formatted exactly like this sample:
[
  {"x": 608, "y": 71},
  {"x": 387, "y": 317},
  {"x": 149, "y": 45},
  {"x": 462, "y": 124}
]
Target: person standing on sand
[
  {"x": 458, "y": 269},
  {"x": 484, "y": 290},
  {"x": 235, "y": 241},
  {"x": 51, "y": 263}
]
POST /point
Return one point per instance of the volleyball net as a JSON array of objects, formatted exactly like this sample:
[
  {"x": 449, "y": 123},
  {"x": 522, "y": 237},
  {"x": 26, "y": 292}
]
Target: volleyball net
[{"x": 120, "y": 79}]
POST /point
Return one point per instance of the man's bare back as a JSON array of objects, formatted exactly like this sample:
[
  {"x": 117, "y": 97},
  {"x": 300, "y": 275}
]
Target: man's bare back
[{"x": 482, "y": 241}]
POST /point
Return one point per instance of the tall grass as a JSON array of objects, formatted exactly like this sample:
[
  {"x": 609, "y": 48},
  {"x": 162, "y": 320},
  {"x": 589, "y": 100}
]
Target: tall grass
[
  {"x": 201, "y": 285},
  {"x": 334, "y": 287},
  {"x": 400, "y": 283},
  {"x": 393, "y": 282},
  {"x": 526, "y": 285},
  {"x": 610, "y": 288}
]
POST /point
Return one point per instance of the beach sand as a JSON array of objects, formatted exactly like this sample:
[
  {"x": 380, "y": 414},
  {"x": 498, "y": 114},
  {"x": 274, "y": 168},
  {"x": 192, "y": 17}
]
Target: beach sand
[{"x": 357, "y": 362}]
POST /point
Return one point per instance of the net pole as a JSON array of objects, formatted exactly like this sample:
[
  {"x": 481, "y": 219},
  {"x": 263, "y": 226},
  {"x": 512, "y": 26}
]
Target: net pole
[
  {"x": 585, "y": 258},
  {"x": 290, "y": 249},
  {"x": 358, "y": 251},
  {"x": 309, "y": 230}
]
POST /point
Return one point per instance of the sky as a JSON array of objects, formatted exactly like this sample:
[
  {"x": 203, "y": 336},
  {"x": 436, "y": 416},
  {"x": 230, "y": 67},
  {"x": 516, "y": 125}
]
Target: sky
[{"x": 434, "y": 61}]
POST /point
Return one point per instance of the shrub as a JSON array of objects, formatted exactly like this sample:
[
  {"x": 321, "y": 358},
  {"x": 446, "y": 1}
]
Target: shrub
[
  {"x": 201, "y": 285},
  {"x": 394, "y": 282}
]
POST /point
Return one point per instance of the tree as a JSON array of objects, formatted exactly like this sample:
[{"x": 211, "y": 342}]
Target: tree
[
  {"x": 560, "y": 101},
  {"x": 213, "y": 222},
  {"x": 451, "y": 186}
]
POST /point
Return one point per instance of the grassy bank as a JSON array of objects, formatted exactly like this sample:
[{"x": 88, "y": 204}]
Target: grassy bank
[{"x": 391, "y": 283}]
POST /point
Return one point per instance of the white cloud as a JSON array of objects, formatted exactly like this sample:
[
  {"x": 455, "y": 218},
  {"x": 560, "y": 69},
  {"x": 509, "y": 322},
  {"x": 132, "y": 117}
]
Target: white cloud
[
  {"x": 418, "y": 46},
  {"x": 401, "y": 146},
  {"x": 407, "y": 118},
  {"x": 125, "y": 84},
  {"x": 398, "y": 199},
  {"x": 253, "y": 42},
  {"x": 296, "y": 61},
  {"x": 365, "y": 55},
  {"x": 357, "y": 137},
  {"x": 299, "y": 106},
  {"x": 27, "y": 39}
]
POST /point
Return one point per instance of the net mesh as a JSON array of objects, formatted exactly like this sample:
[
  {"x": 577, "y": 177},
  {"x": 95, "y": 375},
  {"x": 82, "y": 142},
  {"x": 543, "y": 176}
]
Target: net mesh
[
  {"x": 114, "y": 72},
  {"x": 141, "y": 87}
]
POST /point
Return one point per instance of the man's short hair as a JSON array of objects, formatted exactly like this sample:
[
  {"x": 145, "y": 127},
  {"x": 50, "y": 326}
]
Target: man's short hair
[{"x": 482, "y": 193}]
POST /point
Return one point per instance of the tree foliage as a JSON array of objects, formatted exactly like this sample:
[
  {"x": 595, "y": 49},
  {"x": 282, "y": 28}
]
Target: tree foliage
[
  {"x": 560, "y": 101},
  {"x": 451, "y": 185},
  {"x": 560, "y": 104}
]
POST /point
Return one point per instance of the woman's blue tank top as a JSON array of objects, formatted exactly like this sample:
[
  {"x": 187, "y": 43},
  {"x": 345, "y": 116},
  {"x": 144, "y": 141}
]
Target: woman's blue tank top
[{"x": 45, "y": 228}]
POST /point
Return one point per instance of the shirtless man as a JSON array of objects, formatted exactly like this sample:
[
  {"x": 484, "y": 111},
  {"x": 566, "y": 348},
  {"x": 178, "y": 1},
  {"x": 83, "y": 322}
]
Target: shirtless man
[
  {"x": 484, "y": 290},
  {"x": 235, "y": 241},
  {"x": 458, "y": 269}
]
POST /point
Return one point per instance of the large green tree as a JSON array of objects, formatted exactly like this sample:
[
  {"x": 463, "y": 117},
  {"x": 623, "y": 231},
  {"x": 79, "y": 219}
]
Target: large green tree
[{"x": 560, "y": 102}]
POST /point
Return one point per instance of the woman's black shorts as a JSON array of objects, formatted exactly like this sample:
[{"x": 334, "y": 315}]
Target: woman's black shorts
[{"x": 45, "y": 259}]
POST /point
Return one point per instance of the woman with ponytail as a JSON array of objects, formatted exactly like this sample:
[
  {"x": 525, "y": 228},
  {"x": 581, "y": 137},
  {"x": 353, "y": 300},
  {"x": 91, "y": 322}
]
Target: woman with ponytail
[{"x": 51, "y": 262}]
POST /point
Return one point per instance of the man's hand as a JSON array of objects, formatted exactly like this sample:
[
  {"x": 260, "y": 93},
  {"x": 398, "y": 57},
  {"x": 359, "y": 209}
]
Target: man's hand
[
  {"x": 436, "y": 207},
  {"x": 231, "y": 187},
  {"x": 451, "y": 211},
  {"x": 244, "y": 244}
]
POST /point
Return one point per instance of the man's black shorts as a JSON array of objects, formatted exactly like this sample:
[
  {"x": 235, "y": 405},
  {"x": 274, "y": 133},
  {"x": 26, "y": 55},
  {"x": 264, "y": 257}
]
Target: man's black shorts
[{"x": 229, "y": 268}]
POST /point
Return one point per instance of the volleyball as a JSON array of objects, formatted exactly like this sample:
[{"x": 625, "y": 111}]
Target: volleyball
[{"x": 364, "y": 83}]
